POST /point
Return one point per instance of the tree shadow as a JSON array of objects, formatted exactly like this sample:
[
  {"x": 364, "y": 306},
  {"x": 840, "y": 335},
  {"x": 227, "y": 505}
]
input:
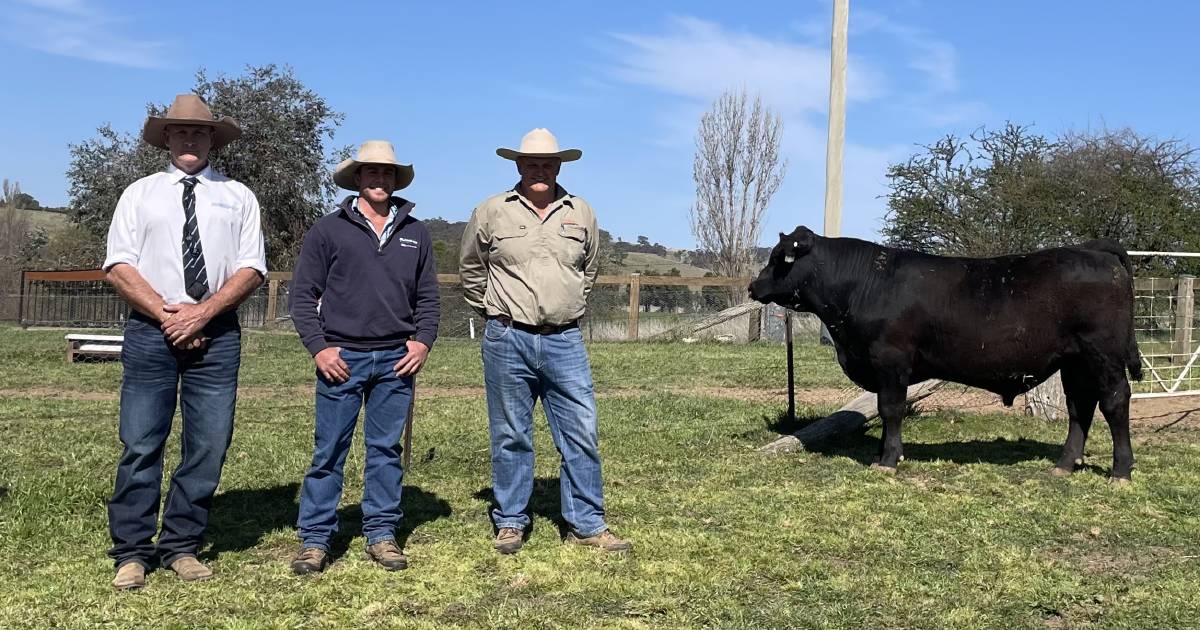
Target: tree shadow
[
  {"x": 420, "y": 507},
  {"x": 241, "y": 518},
  {"x": 545, "y": 501}
]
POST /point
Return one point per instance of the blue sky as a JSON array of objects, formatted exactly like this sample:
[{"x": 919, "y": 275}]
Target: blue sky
[{"x": 625, "y": 82}]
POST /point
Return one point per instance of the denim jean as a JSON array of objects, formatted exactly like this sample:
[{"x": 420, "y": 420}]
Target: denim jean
[
  {"x": 518, "y": 368},
  {"x": 205, "y": 382},
  {"x": 373, "y": 379}
]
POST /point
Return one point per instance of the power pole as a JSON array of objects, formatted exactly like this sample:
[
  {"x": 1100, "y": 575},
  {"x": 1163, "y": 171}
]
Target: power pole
[{"x": 837, "y": 119}]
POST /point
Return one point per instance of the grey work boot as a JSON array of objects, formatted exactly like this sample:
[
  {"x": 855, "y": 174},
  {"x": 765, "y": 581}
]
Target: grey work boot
[
  {"x": 388, "y": 555},
  {"x": 509, "y": 540},
  {"x": 605, "y": 540}
]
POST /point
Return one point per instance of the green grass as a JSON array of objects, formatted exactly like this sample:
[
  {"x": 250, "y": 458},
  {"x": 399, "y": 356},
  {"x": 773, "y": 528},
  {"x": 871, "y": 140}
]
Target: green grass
[{"x": 972, "y": 532}]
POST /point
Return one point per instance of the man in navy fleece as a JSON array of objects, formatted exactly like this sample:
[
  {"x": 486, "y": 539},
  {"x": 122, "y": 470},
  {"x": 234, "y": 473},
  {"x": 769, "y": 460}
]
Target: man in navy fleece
[{"x": 364, "y": 300}]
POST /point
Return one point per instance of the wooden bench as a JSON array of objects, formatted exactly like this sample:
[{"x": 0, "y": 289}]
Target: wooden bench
[{"x": 93, "y": 345}]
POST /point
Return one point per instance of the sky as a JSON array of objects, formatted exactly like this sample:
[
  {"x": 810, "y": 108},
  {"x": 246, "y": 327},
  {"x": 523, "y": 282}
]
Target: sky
[{"x": 626, "y": 82}]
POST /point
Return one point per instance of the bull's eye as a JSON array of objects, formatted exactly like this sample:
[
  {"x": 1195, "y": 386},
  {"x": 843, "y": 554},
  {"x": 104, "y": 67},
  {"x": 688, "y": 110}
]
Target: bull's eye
[
  {"x": 789, "y": 259},
  {"x": 795, "y": 244}
]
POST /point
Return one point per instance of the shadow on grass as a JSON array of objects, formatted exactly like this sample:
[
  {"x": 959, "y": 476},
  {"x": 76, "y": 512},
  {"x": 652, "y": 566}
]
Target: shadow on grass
[
  {"x": 241, "y": 518},
  {"x": 863, "y": 448},
  {"x": 1000, "y": 451},
  {"x": 544, "y": 502}
]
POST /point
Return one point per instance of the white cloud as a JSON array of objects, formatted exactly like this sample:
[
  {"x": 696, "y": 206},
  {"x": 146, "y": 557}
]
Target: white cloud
[
  {"x": 74, "y": 28},
  {"x": 698, "y": 59},
  {"x": 905, "y": 72}
]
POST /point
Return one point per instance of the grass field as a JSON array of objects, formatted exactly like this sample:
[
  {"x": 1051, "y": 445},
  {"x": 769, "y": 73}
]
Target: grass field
[{"x": 973, "y": 532}]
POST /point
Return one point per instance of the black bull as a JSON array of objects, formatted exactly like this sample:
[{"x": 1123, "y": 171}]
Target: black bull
[{"x": 1003, "y": 324}]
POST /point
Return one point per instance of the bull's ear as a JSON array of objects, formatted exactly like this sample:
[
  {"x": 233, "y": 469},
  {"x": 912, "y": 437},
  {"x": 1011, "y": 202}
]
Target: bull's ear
[{"x": 797, "y": 244}]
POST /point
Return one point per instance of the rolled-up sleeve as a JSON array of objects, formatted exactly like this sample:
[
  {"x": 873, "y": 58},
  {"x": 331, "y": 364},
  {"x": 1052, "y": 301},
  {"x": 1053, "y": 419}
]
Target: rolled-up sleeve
[
  {"x": 123, "y": 235},
  {"x": 252, "y": 251}
]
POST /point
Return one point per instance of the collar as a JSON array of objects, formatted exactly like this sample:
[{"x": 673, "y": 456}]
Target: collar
[
  {"x": 398, "y": 207},
  {"x": 177, "y": 175},
  {"x": 561, "y": 196}
]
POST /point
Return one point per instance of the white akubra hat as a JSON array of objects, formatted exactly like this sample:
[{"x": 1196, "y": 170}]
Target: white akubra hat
[
  {"x": 372, "y": 152},
  {"x": 540, "y": 143}
]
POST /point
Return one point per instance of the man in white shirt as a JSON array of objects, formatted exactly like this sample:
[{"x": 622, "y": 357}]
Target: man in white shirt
[{"x": 184, "y": 249}]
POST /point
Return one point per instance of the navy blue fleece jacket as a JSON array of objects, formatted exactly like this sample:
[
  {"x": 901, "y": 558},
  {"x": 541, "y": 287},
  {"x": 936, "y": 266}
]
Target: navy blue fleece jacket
[{"x": 371, "y": 294}]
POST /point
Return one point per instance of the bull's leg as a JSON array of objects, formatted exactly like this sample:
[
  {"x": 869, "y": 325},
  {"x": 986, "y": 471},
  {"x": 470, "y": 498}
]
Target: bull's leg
[
  {"x": 1080, "y": 389},
  {"x": 1114, "y": 404},
  {"x": 892, "y": 403}
]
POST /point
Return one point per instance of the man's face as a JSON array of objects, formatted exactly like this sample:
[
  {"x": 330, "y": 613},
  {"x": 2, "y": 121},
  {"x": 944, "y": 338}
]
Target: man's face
[
  {"x": 376, "y": 182},
  {"x": 189, "y": 145},
  {"x": 538, "y": 174}
]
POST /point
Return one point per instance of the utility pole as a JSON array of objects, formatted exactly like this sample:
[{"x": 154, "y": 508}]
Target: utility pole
[{"x": 837, "y": 118}]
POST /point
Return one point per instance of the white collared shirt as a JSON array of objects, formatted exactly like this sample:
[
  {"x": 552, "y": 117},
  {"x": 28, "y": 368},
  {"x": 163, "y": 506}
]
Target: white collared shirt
[{"x": 147, "y": 231}]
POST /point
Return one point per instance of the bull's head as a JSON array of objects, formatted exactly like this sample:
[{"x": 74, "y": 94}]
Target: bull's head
[{"x": 787, "y": 270}]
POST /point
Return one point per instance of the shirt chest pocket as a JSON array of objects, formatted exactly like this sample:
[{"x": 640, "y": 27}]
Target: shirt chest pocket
[
  {"x": 510, "y": 245},
  {"x": 571, "y": 243},
  {"x": 219, "y": 218}
]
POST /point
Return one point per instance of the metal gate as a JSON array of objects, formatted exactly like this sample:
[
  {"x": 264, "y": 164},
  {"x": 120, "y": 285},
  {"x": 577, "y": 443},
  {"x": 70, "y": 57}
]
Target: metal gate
[{"x": 1165, "y": 326}]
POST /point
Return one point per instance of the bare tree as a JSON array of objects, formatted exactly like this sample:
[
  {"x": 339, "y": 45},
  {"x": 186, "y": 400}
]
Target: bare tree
[
  {"x": 737, "y": 170},
  {"x": 14, "y": 226}
]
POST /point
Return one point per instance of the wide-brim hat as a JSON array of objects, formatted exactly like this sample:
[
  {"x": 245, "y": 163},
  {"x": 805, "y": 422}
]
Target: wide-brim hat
[
  {"x": 540, "y": 143},
  {"x": 372, "y": 152},
  {"x": 189, "y": 109}
]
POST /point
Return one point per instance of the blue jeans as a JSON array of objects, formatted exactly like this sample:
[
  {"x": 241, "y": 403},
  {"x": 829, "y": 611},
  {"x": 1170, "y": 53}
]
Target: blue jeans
[
  {"x": 205, "y": 381},
  {"x": 373, "y": 378},
  {"x": 518, "y": 368}
]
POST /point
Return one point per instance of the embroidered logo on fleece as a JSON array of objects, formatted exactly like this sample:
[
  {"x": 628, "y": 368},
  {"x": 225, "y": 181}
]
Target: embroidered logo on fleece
[{"x": 408, "y": 242}]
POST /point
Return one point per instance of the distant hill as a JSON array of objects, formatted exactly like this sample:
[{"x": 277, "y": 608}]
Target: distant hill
[
  {"x": 640, "y": 261},
  {"x": 652, "y": 263},
  {"x": 46, "y": 219}
]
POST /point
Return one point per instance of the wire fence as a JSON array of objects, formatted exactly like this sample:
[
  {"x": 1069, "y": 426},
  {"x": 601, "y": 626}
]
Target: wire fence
[{"x": 620, "y": 308}]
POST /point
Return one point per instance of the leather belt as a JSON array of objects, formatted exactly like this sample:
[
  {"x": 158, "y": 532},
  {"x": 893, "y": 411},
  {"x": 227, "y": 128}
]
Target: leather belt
[{"x": 545, "y": 329}]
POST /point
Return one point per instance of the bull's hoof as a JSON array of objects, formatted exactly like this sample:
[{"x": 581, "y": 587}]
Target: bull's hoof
[
  {"x": 887, "y": 470},
  {"x": 1120, "y": 481},
  {"x": 1060, "y": 472}
]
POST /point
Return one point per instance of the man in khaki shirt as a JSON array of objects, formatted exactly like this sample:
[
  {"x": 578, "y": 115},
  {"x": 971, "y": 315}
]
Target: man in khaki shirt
[{"x": 529, "y": 259}]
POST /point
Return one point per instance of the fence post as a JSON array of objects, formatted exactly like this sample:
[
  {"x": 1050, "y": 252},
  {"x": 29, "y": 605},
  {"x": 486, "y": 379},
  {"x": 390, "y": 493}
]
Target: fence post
[
  {"x": 756, "y": 325},
  {"x": 21, "y": 302},
  {"x": 635, "y": 304},
  {"x": 272, "y": 301},
  {"x": 1184, "y": 318}
]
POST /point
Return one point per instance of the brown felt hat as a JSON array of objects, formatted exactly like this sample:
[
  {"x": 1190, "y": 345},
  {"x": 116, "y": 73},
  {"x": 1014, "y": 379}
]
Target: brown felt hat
[{"x": 189, "y": 109}]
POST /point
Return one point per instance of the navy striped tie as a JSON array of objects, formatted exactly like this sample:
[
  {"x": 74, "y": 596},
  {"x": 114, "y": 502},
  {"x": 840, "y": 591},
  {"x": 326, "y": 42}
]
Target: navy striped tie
[{"x": 195, "y": 277}]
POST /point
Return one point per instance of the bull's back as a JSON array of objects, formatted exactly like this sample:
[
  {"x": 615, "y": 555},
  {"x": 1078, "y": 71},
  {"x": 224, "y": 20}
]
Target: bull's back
[{"x": 1005, "y": 324}]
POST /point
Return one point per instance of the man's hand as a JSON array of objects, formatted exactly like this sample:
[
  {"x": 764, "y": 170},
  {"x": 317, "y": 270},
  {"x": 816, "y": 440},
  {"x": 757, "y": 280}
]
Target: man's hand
[
  {"x": 331, "y": 366},
  {"x": 185, "y": 323},
  {"x": 411, "y": 363}
]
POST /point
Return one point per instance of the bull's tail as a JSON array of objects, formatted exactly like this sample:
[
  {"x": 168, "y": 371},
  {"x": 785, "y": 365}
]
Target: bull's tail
[{"x": 1133, "y": 357}]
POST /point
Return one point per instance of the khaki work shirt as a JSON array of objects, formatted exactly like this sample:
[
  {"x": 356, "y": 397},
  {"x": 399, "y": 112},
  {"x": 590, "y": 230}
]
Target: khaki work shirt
[{"x": 535, "y": 272}]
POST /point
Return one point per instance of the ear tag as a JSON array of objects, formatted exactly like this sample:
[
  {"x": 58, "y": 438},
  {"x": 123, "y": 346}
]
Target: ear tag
[{"x": 789, "y": 259}]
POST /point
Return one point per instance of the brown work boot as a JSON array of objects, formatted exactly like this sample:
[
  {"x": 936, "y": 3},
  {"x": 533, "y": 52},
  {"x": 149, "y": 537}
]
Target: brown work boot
[
  {"x": 509, "y": 540},
  {"x": 130, "y": 576},
  {"x": 388, "y": 555},
  {"x": 189, "y": 569},
  {"x": 309, "y": 560},
  {"x": 605, "y": 540}
]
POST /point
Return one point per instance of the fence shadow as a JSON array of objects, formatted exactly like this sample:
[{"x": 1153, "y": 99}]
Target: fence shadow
[{"x": 545, "y": 502}]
